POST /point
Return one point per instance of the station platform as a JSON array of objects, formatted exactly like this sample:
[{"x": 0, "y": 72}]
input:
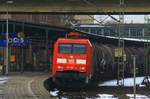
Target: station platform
[{"x": 28, "y": 85}]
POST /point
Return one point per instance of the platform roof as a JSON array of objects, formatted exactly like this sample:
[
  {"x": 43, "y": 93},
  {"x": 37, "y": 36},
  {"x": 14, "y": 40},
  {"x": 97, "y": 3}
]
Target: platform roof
[{"x": 36, "y": 33}]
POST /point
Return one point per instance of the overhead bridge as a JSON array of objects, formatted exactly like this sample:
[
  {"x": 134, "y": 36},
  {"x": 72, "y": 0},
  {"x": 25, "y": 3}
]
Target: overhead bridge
[{"x": 75, "y": 6}]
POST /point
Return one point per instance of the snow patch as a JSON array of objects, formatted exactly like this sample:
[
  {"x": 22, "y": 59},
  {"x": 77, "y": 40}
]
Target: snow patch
[
  {"x": 62, "y": 98},
  {"x": 138, "y": 96},
  {"x": 104, "y": 96},
  {"x": 3, "y": 80},
  {"x": 54, "y": 92},
  {"x": 128, "y": 82}
]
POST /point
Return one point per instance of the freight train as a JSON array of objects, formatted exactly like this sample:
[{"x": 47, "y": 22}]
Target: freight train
[{"x": 80, "y": 59}]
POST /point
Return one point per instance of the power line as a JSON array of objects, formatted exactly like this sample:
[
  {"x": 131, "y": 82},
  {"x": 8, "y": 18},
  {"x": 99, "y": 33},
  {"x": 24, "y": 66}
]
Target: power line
[
  {"x": 100, "y": 22},
  {"x": 90, "y": 3}
]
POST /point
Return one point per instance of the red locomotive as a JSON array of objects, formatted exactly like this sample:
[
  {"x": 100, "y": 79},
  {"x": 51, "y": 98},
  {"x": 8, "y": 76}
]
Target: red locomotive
[{"x": 72, "y": 59}]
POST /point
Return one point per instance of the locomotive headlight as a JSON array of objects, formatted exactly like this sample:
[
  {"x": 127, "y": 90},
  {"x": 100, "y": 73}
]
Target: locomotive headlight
[
  {"x": 81, "y": 61},
  {"x": 82, "y": 69},
  {"x": 61, "y": 60},
  {"x": 60, "y": 67}
]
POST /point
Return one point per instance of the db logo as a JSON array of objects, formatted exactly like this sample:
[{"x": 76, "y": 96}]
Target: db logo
[{"x": 71, "y": 61}]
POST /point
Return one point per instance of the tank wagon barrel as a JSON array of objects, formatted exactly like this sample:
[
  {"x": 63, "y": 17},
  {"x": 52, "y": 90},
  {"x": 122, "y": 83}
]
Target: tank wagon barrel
[{"x": 104, "y": 60}]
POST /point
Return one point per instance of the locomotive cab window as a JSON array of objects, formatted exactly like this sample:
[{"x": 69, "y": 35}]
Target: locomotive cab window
[
  {"x": 79, "y": 48},
  {"x": 72, "y": 48},
  {"x": 65, "y": 48}
]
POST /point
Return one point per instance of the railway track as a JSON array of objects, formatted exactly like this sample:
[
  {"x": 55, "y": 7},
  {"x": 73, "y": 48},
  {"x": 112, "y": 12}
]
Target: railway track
[
  {"x": 24, "y": 86},
  {"x": 39, "y": 86}
]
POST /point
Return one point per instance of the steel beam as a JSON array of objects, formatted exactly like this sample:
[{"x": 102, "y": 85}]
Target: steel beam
[{"x": 77, "y": 6}]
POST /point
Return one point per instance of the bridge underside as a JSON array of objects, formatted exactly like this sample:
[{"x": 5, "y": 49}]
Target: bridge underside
[{"x": 75, "y": 6}]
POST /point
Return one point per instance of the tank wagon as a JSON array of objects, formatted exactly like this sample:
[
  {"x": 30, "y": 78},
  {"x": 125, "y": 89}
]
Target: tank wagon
[{"x": 79, "y": 59}]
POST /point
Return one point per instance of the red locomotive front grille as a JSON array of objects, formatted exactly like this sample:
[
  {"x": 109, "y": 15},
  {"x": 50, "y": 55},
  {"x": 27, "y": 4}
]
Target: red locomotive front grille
[{"x": 71, "y": 63}]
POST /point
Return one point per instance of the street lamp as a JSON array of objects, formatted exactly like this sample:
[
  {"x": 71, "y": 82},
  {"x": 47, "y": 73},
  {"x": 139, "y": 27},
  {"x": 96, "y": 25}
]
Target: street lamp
[{"x": 7, "y": 34}]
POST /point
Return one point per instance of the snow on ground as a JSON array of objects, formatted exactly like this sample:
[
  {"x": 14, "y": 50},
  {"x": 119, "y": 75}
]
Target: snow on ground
[
  {"x": 54, "y": 92},
  {"x": 3, "y": 80},
  {"x": 62, "y": 98},
  {"x": 128, "y": 82},
  {"x": 104, "y": 96},
  {"x": 138, "y": 96}
]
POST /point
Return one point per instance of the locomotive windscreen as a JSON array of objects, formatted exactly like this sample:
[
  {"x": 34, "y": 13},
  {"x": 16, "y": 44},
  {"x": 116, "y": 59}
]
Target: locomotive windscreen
[
  {"x": 72, "y": 48},
  {"x": 65, "y": 48}
]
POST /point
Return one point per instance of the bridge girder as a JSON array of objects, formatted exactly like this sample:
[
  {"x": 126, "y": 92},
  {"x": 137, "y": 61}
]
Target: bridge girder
[{"x": 75, "y": 6}]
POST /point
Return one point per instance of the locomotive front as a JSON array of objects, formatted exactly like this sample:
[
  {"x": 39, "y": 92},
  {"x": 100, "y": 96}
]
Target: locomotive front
[{"x": 71, "y": 60}]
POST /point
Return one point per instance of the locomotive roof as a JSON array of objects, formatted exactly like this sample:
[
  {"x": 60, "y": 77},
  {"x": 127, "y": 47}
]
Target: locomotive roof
[{"x": 68, "y": 40}]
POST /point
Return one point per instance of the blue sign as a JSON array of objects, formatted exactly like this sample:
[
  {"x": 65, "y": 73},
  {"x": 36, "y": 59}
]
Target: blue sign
[
  {"x": 12, "y": 34},
  {"x": 2, "y": 43},
  {"x": 19, "y": 42},
  {"x": 14, "y": 41}
]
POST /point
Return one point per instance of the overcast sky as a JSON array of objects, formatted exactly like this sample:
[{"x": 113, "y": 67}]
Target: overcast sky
[{"x": 127, "y": 18}]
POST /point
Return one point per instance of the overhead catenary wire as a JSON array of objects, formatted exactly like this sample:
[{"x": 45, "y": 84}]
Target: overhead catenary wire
[
  {"x": 91, "y": 3},
  {"x": 100, "y": 22}
]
